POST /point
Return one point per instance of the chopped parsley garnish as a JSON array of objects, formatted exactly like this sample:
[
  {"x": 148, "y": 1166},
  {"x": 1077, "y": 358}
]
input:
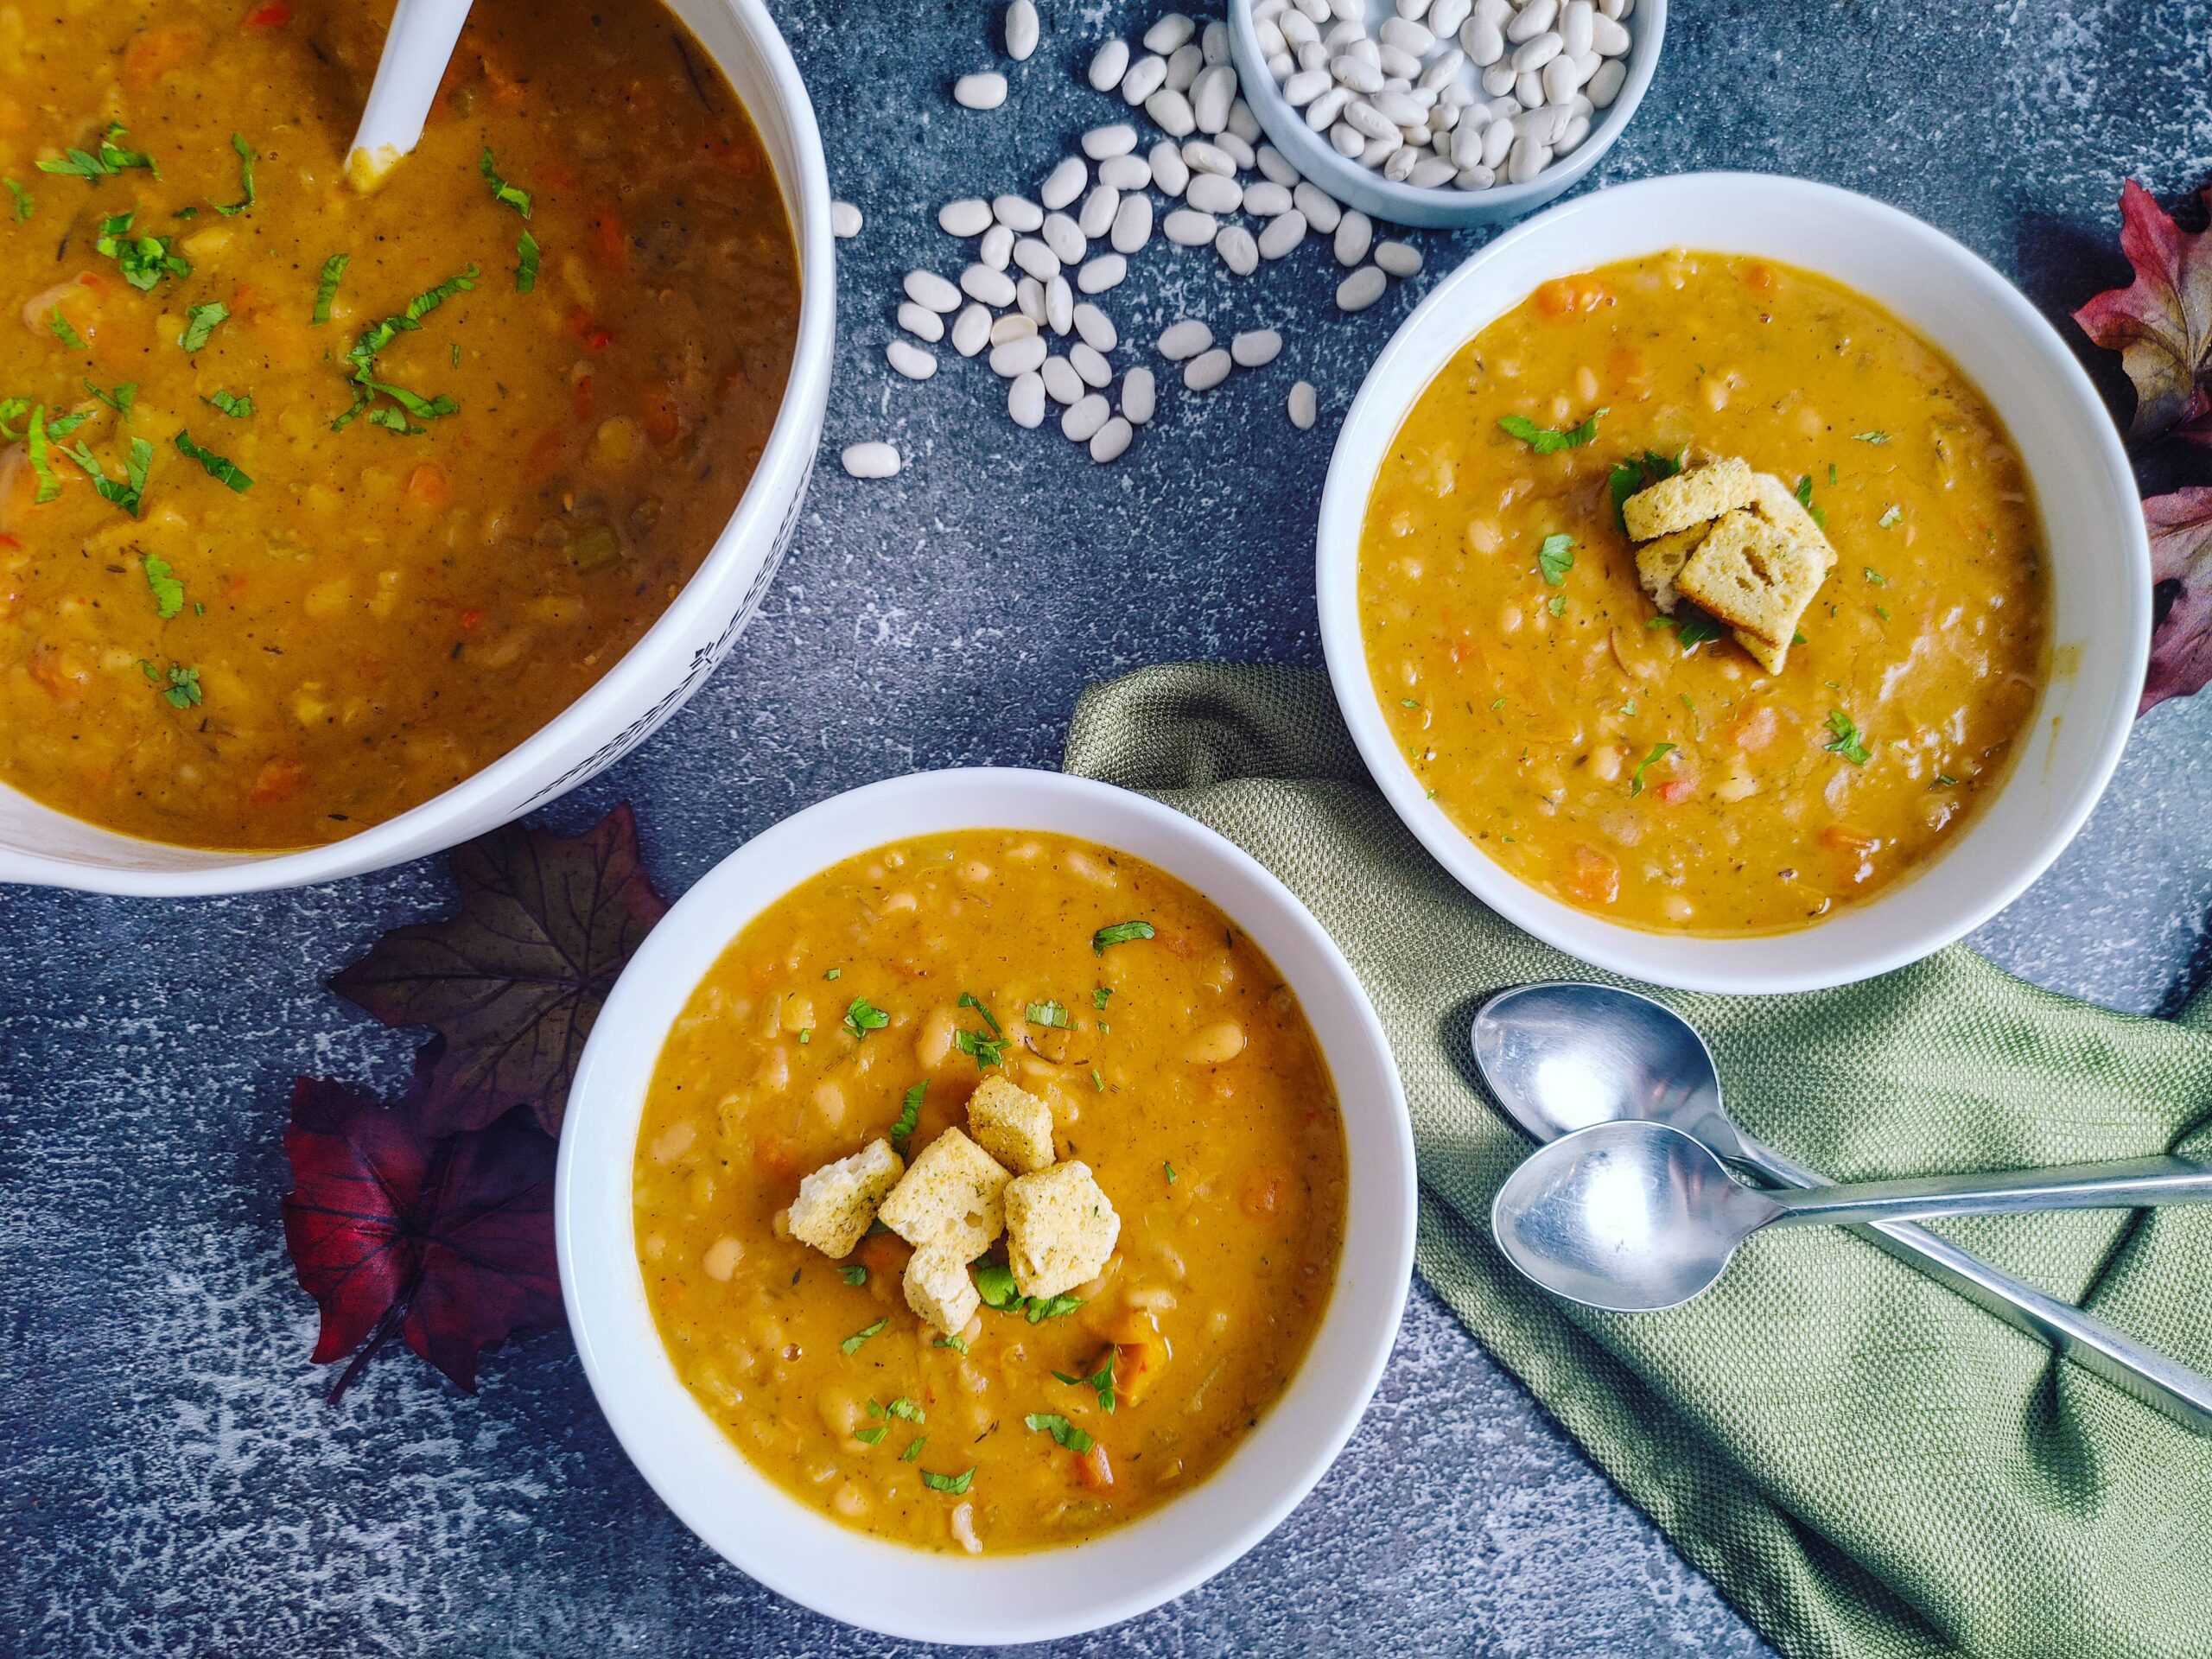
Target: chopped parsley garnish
[
  {"x": 1692, "y": 628},
  {"x": 110, "y": 159},
  {"x": 907, "y": 1410},
  {"x": 373, "y": 339},
  {"x": 1549, "y": 440},
  {"x": 1946, "y": 779},
  {"x": 245, "y": 177},
  {"x": 1639, "y": 472},
  {"x": 987, "y": 1051},
  {"x": 909, "y": 1115},
  {"x": 34, "y": 442},
  {"x": 57, "y": 326},
  {"x": 1100, "y": 998},
  {"x": 1047, "y": 1014},
  {"x": 834, "y": 973},
  {"x": 1065, "y": 1432},
  {"x": 230, "y": 403},
  {"x": 526, "y": 253},
  {"x": 1890, "y": 518},
  {"x": 221, "y": 468},
  {"x": 326, "y": 288},
  {"x": 995, "y": 1284},
  {"x": 958, "y": 1344},
  {"x": 1882, "y": 611},
  {"x": 969, "y": 1000},
  {"x": 1659, "y": 752},
  {"x": 1804, "y": 493},
  {"x": 24, "y": 205},
  {"x": 1097, "y": 1082},
  {"x": 953, "y": 1485},
  {"x": 853, "y": 1274},
  {"x": 1877, "y": 436},
  {"x": 852, "y": 1344},
  {"x": 1119, "y": 933},
  {"x": 805, "y": 1036},
  {"x": 1051, "y": 1307},
  {"x": 168, "y": 591},
  {"x": 1170, "y": 1169},
  {"x": 1556, "y": 605},
  {"x": 199, "y": 323},
  {"x": 144, "y": 260},
  {"x": 863, "y": 1016},
  {"x": 501, "y": 190},
  {"x": 1556, "y": 558},
  {"x": 871, "y": 1435},
  {"x": 914, "y": 1448},
  {"x": 1101, "y": 1381},
  {"x": 180, "y": 686},
  {"x": 120, "y": 399},
  {"x": 129, "y": 495},
  {"x": 1846, "y": 739},
  {"x": 1874, "y": 577}
]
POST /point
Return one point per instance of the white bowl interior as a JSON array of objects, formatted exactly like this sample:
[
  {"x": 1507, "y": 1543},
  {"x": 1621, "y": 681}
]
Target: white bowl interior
[
  {"x": 39, "y": 844},
  {"x": 1363, "y": 187},
  {"x": 864, "y": 1580},
  {"x": 2093, "y": 527}
]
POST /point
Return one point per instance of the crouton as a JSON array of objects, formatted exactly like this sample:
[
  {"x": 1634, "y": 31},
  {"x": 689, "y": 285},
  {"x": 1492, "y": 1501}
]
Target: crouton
[
  {"x": 1060, "y": 1229},
  {"x": 954, "y": 1195},
  {"x": 1777, "y": 504},
  {"x": 1770, "y": 658},
  {"x": 836, "y": 1203},
  {"x": 1688, "y": 497},
  {"x": 1011, "y": 1124},
  {"x": 1753, "y": 577},
  {"x": 1658, "y": 564},
  {"x": 938, "y": 1289}
]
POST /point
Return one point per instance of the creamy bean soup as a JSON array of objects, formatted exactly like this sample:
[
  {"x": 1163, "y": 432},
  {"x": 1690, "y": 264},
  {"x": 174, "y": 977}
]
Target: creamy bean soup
[
  {"x": 1705, "y": 595},
  {"x": 316, "y": 502},
  {"x": 988, "y": 1190}
]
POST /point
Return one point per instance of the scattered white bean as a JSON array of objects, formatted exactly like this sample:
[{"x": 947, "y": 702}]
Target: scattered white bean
[
  {"x": 1284, "y": 233},
  {"x": 1321, "y": 209},
  {"x": 1098, "y": 275},
  {"x": 1021, "y": 31},
  {"x": 1062, "y": 384},
  {"x": 1132, "y": 226},
  {"x": 1275, "y": 168},
  {"x": 981, "y": 91},
  {"x": 1018, "y": 356},
  {"x": 1206, "y": 370},
  {"x": 1118, "y": 139},
  {"x": 1170, "y": 173},
  {"x": 1362, "y": 288},
  {"x": 1017, "y": 213},
  {"x": 971, "y": 331},
  {"x": 1237, "y": 250},
  {"x": 1025, "y": 401},
  {"x": 1065, "y": 237},
  {"x": 1034, "y": 257},
  {"x": 1126, "y": 173},
  {"x": 1096, "y": 372},
  {"x": 1138, "y": 396},
  {"x": 1111, "y": 440},
  {"x": 1210, "y": 192},
  {"x": 1062, "y": 185},
  {"x": 1187, "y": 228},
  {"x": 1266, "y": 200},
  {"x": 1096, "y": 217},
  {"x": 1169, "y": 33},
  {"x": 927, "y": 288},
  {"x": 1213, "y": 42},
  {"x": 1201, "y": 155},
  {"x": 1029, "y": 301},
  {"x": 1107, "y": 65},
  {"x": 844, "y": 220},
  {"x": 920, "y": 321},
  {"x": 1305, "y": 405},
  {"x": 1399, "y": 258},
  {"x": 874, "y": 460},
  {"x": 1080, "y": 422},
  {"x": 1183, "y": 66},
  {"x": 997, "y": 249},
  {"x": 1255, "y": 349},
  {"x": 1059, "y": 305},
  {"x": 1011, "y": 327},
  {"x": 970, "y": 216},
  {"x": 1171, "y": 112},
  {"x": 1096, "y": 327},
  {"x": 1186, "y": 339},
  {"x": 1211, "y": 97},
  {"x": 911, "y": 360},
  {"x": 1146, "y": 76},
  {"x": 1355, "y": 234},
  {"x": 992, "y": 287}
]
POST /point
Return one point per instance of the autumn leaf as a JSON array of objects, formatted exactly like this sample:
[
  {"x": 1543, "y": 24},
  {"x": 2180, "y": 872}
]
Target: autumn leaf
[
  {"x": 2181, "y": 553},
  {"x": 445, "y": 1241},
  {"x": 2161, "y": 323},
  {"x": 514, "y": 982}
]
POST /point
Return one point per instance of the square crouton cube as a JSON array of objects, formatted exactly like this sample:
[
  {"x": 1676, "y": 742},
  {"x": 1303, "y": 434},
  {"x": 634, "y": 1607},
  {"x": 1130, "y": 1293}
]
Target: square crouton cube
[
  {"x": 1688, "y": 497},
  {"x": 1776, "y": 502},
  {"x": 1753, "y": 577},
  {"x": 1658, "y": 564},
  {"x": 1011, "y": 1124},
  {"x": 1060, "y": 1229},
  {"x": 938, "y": 1289},
  {"x": 954, "y": 1195},
  {"x": 1770, "y": 658},
  {"x": 836, "y": 1203}
]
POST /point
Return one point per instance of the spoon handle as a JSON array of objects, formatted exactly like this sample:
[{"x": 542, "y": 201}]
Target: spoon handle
[
  {"x": 2125, "y": 1186},
  {"x": 416, "y": 47}
]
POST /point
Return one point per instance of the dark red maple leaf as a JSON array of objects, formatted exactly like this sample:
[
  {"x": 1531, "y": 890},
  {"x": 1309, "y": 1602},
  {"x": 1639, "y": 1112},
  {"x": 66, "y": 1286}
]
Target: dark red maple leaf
[
  {"x": 2161, "y": 323},
  {"x": 446, "y": 1241},
  {"x": 514, "y": 982},
  {"x": 2181, "y": 553}
]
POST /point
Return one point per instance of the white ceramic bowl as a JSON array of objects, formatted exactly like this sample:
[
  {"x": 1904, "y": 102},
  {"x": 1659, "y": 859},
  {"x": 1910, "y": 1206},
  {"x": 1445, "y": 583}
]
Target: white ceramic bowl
[
  {"x": 2092, "y": 521},
  {"x": 46, "y": 847},
  {"x": 1363, "y": 187},
  {"x": 866, "y": 1581}
]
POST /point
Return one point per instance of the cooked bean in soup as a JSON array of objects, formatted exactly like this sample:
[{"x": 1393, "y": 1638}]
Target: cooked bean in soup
[
  {"x": 870, "y": 1005},
  {"x": 1606, "y": 739},
  {"x": 317, "y": 502}
]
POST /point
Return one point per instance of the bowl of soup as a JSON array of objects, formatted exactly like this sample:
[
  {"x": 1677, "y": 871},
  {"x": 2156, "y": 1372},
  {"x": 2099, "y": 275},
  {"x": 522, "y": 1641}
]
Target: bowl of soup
[
  {"x": 337, "y": 526},
  {"x": 985, "y": 1205},
  {"x": 1734, "y": 582}
]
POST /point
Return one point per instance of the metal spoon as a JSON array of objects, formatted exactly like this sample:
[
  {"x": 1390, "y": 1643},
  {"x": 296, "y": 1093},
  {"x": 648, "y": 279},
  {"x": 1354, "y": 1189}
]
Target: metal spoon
[
  {"x": 1636, "y": 1217},
  {"x": 1560, "y": 1056},
  {"x": 416, "y": 47}
]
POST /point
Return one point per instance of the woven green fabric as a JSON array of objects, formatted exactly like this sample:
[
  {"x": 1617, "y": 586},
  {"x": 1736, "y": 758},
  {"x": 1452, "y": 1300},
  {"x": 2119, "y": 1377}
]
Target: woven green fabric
[{"x": 1870, "y": 1466}]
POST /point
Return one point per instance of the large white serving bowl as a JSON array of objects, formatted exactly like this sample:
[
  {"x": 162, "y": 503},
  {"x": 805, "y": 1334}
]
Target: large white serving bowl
[
  {"x": 2099, "y": 557},
  {"x": 47, "y": 848},
  {"x": 915, "y": 1593}
]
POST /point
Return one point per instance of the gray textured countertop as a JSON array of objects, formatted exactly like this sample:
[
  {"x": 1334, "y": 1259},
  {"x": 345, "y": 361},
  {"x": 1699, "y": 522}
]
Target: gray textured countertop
[{"x": 170, "y": 1480}]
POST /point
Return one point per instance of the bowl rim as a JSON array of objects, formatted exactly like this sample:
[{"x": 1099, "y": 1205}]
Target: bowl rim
[
  {"x": 1274, "y": 1466},
  {"x": 1441, "y": 207},
  {"x": 1741, "y": 965},
  {"x": 504, "y": 789}
]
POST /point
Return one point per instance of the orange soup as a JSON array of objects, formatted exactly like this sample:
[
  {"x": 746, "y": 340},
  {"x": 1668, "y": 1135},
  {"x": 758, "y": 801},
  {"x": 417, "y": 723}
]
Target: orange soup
[
  {"x": 317, "y": 502},
  {"x": 1649, "y": 764},
  {"x": 865, "y": 1017}
]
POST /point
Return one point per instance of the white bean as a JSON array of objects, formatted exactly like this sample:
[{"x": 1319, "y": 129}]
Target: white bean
[
  {"x": 1398, "y": 67},
  {"x": 1206, "y": 370},
  {"x": 1021, "y": 30},
  {"x": 1025, "y": 401},
  {"x": 1609, "y": 38},
  {"x": 1171, "y": 112},
  {"x": 1577, "y": 128},
  {"x": 1097, "y": 215},
  {"x": 1065, "y": 237},
  {"x": 1560, "y": 80},
  {"x": 1398, "y": 165},
  {"x": 1577, "y": 28},
  {"x": 1532, "y": 20},
  {"x": 1355, "y": 234},
  {"x": 1442, "y": 72},
  {"x": 980, "y": 92},
  {"x": 927, "y": 288},
  {"x": 1527, "y": 159},
  {"x": 1203, "y": 157},
  {"x": 1012, "y": 327},
  {"x": 1528, "y": 88},
  {"x": 991, "y": 286},
  {"x": 1323, "y": 112},
  {"x": 844, "y": 220},
  {"x": 970, "y": 216},
  {"x": 1029, "y": 301},
  {"x": 1484, "y": 43},
  {"x": 1059, "y": 305},
  {"x": 1091, "y": 366},
  {"x": 1111, "y": 440},
  {"x": 1062, "y": 384},
  {"x": 1170, "y": 173},
  {"x": 1431, "y": 173},
  {"x": 1183, "y": 66},
  {"x": 1357, "y": 74},
  {"x": 1298, "y": 29},
  {"x": 1186, "y": 339},
  {"x": 1064, "y": 183},
  {"x": 1399, "y": 258},
  {"x": 997, "y": 249},
  {"x": 1170, "y": 32},
  {"x": 1321, "y": 209},
  {"x": 1119, "y": 139},
  {"x": 1147, "y": 76},
  {"x": 874, "y": 460},
  {"x": 1237, "y": 250},
  {"x": 1605, "y": 85},
  {"x": 1018, "y": 356},
  {"x": 1497, "y": 140},
  {"x": 1362, "y": 288},
  {"x": 1033, "y": 257},
  {"x": 1304, "y": 405},
  {"x": 1017, "y": 213},
  {"x": 1283, "y": 232},
  {"x": 920, "y": 321},
  {"x": 1266, "y": 200},
  {"x": 971, "y": 331},
  {"x": 1138, "y": 396},
  {"x": 1445, "y": 16},
  {"x": 910, "y": 359},
  {"x": 1536, "y": 54},
  {"x": 1125, "y": 173},
  {"x": 1081, "y": 419},
  {"x": 1369, "y": 122},
  {"x": 1255, "y": 349},
  {"x": 1210, "y": 192},
  {"x": 1406, "y": 34},
  {"x": 1347, "y": 140},
  {"x": 1132, "y": 226},
  {"x": 1238, "y": 147},
  {"x": 1098, "y": 275},
  {"x": 1107, "y": 65},
  {"x": 1399, "y": 109},
  {"x": 1096, "y": 327},
  {"x": 1187, "y": 228},
  {"x": 1213, "y": 42},
  {"x": 1473, "y": 178},
  {"x": 1215, "y": 89}
]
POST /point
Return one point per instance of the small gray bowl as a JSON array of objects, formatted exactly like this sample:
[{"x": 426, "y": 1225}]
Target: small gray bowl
[{"x": 1444, "y": 209}]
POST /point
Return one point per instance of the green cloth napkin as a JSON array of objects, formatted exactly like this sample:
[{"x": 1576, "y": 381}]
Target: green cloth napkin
[{"x": 1869, "y": 1465}]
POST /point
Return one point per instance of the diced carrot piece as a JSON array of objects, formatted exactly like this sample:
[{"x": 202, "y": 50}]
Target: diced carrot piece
[
  {"x": 471, "y": 620},
  {"x": 90, "y": 279},
  {"x": 154, "y": 52},
  {"x": 10, "y": 540},
  {"x": 1836, "y": 839},
  {"x": 1759, "y": 275},
  {"x": 663, "y": 420},
  {"x": 1593, "y": 877},
  {"x": 774, "y": 1156},
  {"x": 280, "y": 777},
  {"x": 1755, "y": 729},
  {"x": 610, "y": 242},
  {"x": 1674, "y": 790},
  {"x": 1569, "y": 296},
  {"x": 586, "y": 328},
  {"x": 1137, "y": 1366},
  {"x": 1262, "y": 1192},
  {"x": 583, "y": 398},
  {"x": 428, "y": 486},
  {"x": 49, "y": 670},
  {"x": 1094, "y": 1469},
  {"x": 272, "y": 15}
]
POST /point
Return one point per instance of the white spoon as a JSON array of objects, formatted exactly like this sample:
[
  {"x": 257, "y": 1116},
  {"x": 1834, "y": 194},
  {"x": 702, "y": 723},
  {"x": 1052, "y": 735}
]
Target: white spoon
[{"x": 417, "y": 49}]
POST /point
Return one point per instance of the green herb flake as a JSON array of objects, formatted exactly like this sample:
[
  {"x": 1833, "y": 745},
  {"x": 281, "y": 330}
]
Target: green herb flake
[
  {"x": 835, "y": 973},
  {"x": 1890, "y": 518},
  {"x": 1946, "y": 780},
  {"x": 862, "y": 1017},
  {"x": 501, "y": 190},
  {"x": 218, "y": 467},
  {"x": 326, "y": 288},
  {"x": 1659, "y": 752},
  {"x": 1874, "y": 577},
  {"x": 872, "y": 1435},
  {"x": 168, "y": 591},
  {"x": 110, "y": 159},
  {"x": 1556, "y": 558},
  {"x": 1097, "y": 1082},
  {"x": 1063, "y": 1432},
  {"x": 246, "y": 159},
  {"x": 969, "y": 1000},
  {"x": 907, "y": 1410},
  {"x": 144, "y": 260},
  {"x": 987, "y": 1052},
  {"x": 995, "y": 1284},
  {"x": 24, "y": 205},
  {"x": 1549, "y": 440},
  {"x": 1169, "y": 1170},
  {"x": 230, "y": 403},
  {"x": 1101, "y": 1381},
  {"x": 1845, "y": 738},
  {"x": 1804, "y": 494},
  {"x": 49, "y": 485},
  {"x": 200, "y": 321},
  {"x": 852, "y": 1344},
  {"x": 951, "y": 1486},
  {"x": 1119, "y": 933},
  {"x": 1877, "y": 436},
  {"x": 853, "y": 1274},
  {"x": 914, "y": 1448},
  {"x": 1556, "y": 605},
  {"x": 958, "y": 1344},
  {"x": 1054, "y": 1014},
  {"x": 909, "y": 1115},
  {"x": 526, "y": 258},
  {"x": 57, "y": 326},
  {"x": 129, "y": 495},
  {"x": 1100, "y": 998},
  {"x": 180, "y": 686},
  {"x": 1041, "y": 1308}
]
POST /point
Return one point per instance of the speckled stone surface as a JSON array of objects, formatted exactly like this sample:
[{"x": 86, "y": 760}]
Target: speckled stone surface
[{"x": 170, "y": 1481}]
